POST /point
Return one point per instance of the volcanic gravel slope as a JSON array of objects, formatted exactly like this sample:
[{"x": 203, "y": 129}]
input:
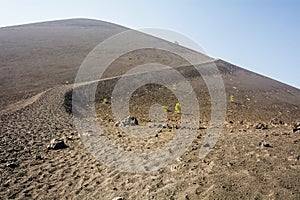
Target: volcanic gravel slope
[
  {"x": 238, "y": 167},
  {"x": 35, "y": 57}
]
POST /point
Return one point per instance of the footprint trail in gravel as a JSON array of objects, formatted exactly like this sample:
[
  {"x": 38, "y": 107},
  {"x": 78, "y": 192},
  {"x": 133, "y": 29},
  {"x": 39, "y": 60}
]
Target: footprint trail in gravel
[{"x": 238, "y": 166}]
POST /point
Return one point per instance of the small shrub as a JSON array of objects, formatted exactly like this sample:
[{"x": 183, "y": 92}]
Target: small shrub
[
  {"x": 231, "y": 98},
  {"x": 177, "y": 108},
  {"x": 166, "y": 108},
  {"x": 105, "y": 101},
  {"x": 174, "y": 87}
]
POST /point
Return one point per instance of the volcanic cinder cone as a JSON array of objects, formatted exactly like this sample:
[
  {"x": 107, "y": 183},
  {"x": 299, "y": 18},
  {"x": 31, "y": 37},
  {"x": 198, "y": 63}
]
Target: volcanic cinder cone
[{"x": 38, "y": 66}]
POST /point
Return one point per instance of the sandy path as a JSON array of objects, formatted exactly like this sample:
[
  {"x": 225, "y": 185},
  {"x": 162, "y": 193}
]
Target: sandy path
[{"x": 21, "y": 104}]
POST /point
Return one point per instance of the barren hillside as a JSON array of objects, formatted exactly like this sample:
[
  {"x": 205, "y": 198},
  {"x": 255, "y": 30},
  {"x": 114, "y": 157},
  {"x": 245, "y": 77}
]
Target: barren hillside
[{"x": 256, "y": 157}]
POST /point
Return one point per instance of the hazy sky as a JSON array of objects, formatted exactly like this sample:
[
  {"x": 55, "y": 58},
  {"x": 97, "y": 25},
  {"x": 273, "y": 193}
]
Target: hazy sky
[{"x": 259, "y": 35}]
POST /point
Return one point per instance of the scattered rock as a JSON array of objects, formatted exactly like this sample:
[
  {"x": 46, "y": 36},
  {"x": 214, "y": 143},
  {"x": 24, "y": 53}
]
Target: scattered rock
[
  {"x": 179, "y": 159},
  {"x": 276, "y": 121},
  {"x": 296, "y": 141},
  {"x": 264, "y": 144},
  {"x": 169, "y": 126},
  {"x": 296, "y": 127},
  {"x": 206, "y": 145},
  {"x": 201, "y": 127},
  {"x": 194, "y": 148},
  {"x": 39, "y": 157},
  {"x": 128, "y": 121},
  {"x": 57, "y": 144},
  {"x": 6, "y": 184},
  {"x": 118, "y": 198},
  {"x": 159, "y": 131},
  {"x": 261, "y": 126},
  {"x": 175, "y": 126},
  {"x": 12, "y": 165},
  {"x": 71, "y": 137}
]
